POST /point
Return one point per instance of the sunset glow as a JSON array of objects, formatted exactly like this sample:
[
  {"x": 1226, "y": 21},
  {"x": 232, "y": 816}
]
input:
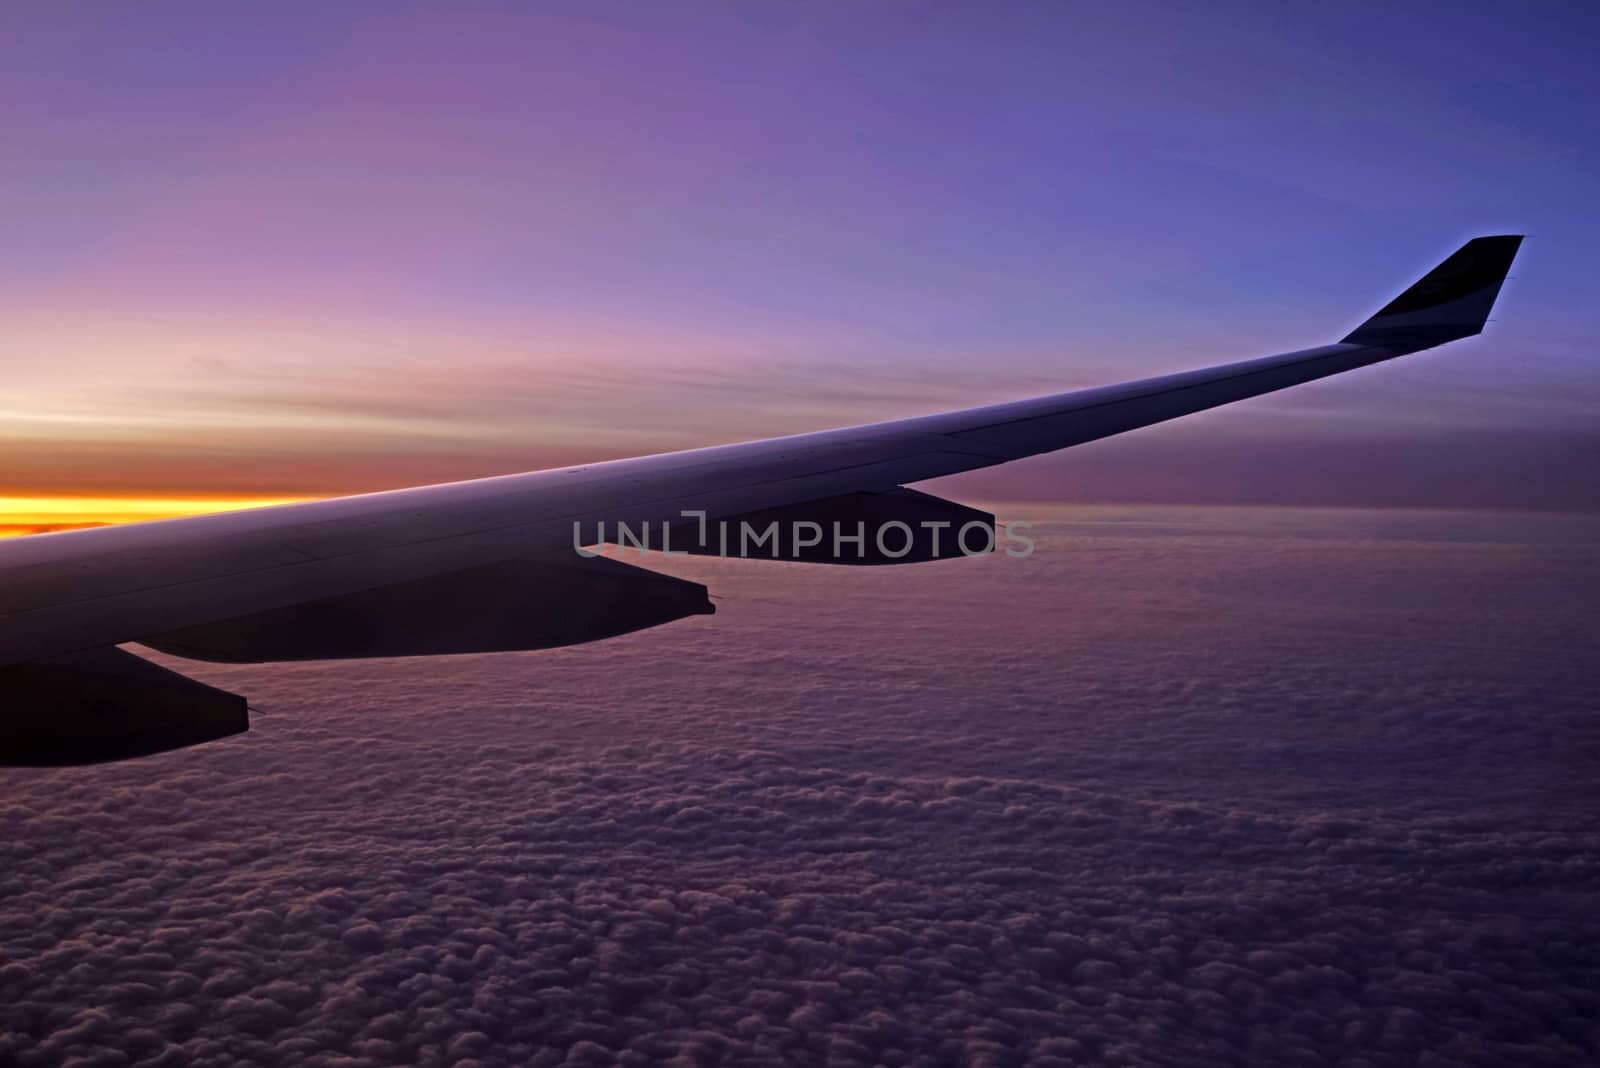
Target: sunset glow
[
  {"x": 40, "y": 515},
  {"x": 371, "y": 246}
]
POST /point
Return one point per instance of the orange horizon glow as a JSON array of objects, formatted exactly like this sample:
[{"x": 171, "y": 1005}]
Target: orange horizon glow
[{"x": 45, "y": 514}]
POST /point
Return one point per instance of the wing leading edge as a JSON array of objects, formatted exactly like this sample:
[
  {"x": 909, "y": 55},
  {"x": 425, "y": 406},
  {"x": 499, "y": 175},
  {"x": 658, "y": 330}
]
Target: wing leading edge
[{"x": 78, "y": 590}]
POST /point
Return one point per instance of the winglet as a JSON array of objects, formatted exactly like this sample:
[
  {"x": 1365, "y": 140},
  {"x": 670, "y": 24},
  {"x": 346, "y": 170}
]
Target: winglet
[{"x": 1451, "y": 301}]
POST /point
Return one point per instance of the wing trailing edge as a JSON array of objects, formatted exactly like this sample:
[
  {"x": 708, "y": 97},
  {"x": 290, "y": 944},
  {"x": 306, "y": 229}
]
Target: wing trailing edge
[{"x": 513, "y": 606}]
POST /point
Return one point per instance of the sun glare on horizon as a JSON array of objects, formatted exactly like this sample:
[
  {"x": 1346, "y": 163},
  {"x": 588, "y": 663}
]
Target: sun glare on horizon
[{"x": 21, "y": 516}]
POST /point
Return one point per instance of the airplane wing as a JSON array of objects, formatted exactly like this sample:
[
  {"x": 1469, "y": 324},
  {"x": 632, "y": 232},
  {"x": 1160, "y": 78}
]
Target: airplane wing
[{"x": 490, "y": 564}]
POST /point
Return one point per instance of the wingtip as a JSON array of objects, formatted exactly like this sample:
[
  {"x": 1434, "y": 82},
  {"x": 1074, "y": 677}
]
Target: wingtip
[{"x": 1451, "y": 301}]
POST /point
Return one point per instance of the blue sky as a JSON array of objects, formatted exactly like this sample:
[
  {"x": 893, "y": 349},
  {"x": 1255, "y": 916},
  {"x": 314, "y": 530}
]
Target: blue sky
[{"x": 295, "y": 249}]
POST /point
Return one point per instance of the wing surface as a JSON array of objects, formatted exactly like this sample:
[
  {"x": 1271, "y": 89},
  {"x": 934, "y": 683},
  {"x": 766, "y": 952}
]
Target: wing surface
[{"x": 81, "y": 590}]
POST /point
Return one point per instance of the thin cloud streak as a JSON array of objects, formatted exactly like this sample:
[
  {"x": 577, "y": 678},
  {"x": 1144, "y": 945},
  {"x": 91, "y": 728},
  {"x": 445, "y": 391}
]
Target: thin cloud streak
[{"x": 354, "y": 428}]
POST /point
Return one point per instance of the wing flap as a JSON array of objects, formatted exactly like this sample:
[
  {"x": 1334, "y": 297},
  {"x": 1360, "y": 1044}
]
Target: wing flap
[{"x": 511, "y": 606}]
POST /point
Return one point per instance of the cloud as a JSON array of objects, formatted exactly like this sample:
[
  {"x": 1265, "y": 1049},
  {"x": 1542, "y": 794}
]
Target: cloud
[
  {"x": 1237, "y": 458},
  {"x": 1184, "y": 789},
  {"x": 322, "y": 427}
]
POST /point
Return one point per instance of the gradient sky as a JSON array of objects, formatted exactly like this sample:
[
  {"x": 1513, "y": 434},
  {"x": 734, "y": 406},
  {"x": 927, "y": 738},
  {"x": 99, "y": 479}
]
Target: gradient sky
[{"x": 300, "y": 249}]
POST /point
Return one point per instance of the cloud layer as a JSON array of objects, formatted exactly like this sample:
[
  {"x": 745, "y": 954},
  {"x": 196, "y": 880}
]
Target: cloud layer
[{"x": 1185, "y": 788}]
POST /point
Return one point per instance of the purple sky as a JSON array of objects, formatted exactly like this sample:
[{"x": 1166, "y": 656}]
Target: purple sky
[{"x": 323, "y": 248}]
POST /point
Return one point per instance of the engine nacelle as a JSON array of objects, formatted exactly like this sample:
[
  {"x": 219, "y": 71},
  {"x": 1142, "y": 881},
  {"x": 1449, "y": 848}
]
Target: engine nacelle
[
  {"x": 106, "y": 704},
  {"x": 898, "y": 526}
]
